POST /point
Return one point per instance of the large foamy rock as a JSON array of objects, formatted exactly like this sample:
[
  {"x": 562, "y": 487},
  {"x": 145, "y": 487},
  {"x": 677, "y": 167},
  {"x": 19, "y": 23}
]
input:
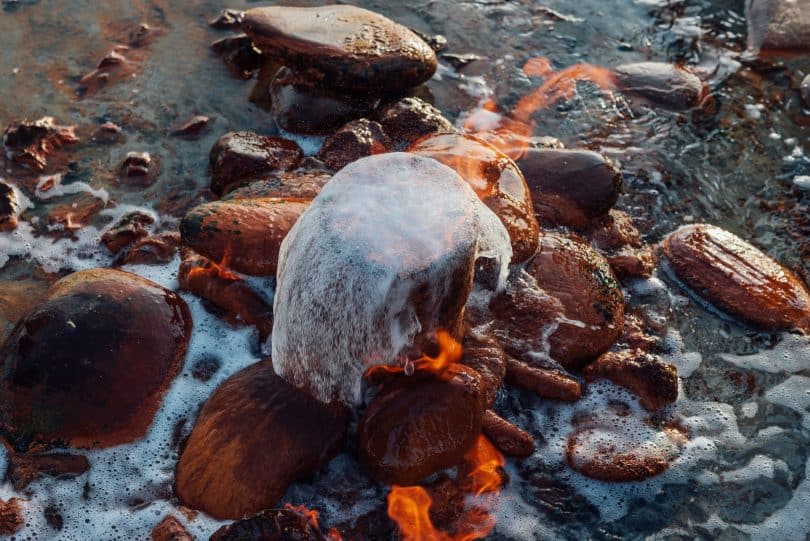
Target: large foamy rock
[
  {"x": 381, "y": 259},
  {"x": 89, "y": 365},
  {"x": 342, "y": 46}
]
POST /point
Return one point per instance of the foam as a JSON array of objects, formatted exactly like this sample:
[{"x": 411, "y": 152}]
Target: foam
[{"x": 791, "y": 355}]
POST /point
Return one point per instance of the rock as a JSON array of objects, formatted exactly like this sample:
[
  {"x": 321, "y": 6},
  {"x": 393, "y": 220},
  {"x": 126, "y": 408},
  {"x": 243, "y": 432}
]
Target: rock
[
  {"x": 25, "y": 468},
  {"x": 508, "y": 438},
  {"x": 622, "y": 448},
  {"x": 11, "y": 516},
  {"x": 239, "y": 55},
  {"x": 776, "y": 26},
  {"x": 109, "y": 133},
  {"x": 139, "y": 169},
  {"x": 192, "y": 127},
  {"x": 9, "y": 207},
  {"x": 738, "y": 278},
  {"x": 170, "y": 529},
  {"x": 224, "y": 469},
  {"x": 804, "y": 90},
  {"x": 30, "y": 144},
  {"x": 228, "y": 19},
  {"x": 271, "y": 525},
  {"x": 298, "y": 184},
  {"x": 668, "y": 85},
  {"x": 88, "y": 366},
  {"x": 629, "y": 263},
  {"x": 16, "y": 297},
  {"x": 647, "y": 376},
  {"x": 343, "y": 46},
  {"x": 381, "y": 260},
  {"x": 409, "y": 119},
  {"x": 239, "y": 155},
  {"x": 421, "y": 424},
  {"x": 615, "y": 236},
  {"x": 72, "y": 212},
  {"x": 570, "y": 187},
  {"x": 131, "y": 227},
  {"x": 497, "y": 181},
  {"x": 249, "y": 230},
  {"x": 300, "y": 105},
  {"x": 488, "y": 359},
  {"x": 153, "y": 250},
  {"x": 355, "y": 140},
  {"x": 545, "y": 383},
  {"x": 460, "y": 61}
]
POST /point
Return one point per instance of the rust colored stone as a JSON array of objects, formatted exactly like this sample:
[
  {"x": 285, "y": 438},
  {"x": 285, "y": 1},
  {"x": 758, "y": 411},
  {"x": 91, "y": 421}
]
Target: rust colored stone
[
  {"x": 508, "y": 438},
  {"x": 236, "y": 156},
  {"x": 545, "y": 383},
  {"x": 645, "y": 375},
  {"x": 353, "y": 141}
]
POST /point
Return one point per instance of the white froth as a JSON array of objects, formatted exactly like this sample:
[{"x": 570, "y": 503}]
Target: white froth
[
  {"x": 791, "y": 355},
  {"x": 50, "y": 186}
]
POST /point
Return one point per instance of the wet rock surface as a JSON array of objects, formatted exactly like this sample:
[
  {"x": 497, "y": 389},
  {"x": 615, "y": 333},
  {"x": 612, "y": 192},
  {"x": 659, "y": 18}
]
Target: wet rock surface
[
  {"x": 570, "y": 187},
  {"x": 738, "y": 278},
  {"x": 25, "y": 468},
  {"x": 239, "y": 54},
  {"x": 9, "y": 207},
  {"x": 239, "y": 155},
  {"x": 495, "y": 178},
  {"x": 421, "y": 424},
  {"x": 153, "y": 249},
  {"x": 359, "y": 50},
  {"x": 409, "y": 119},
  {"x": 668, "y": 85},
  {"x": 11, "y": 516},
  {"x": 31, "y": 143},
  {"x": 224, "y": 470},
  {"x": 88, "y": 366},
  {"x": 227, "y": 19},
  {"x": 353, "y": 141},
  {"x": 250, "y": 231},
  {"x": 139, "y": 169},
  {"x": 298, "y": 184},
  {"x": 655, "y": 382},
  {"x": 170, "y": 529},
  {"x": 271, "y": 525},
  {"x": 778, "y": 26},
  {"x": 127, "y": 230}
]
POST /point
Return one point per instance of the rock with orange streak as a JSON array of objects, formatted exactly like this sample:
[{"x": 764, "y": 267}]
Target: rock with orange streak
[
  {"x": 495, "y": 178},
  {"x": 298, "y": 184},
  {"x": 253, "y": 437},
  {"x": 421, "y": 424},
  {"x": 11, "y": 517},
  {"x": 567, "y": 305},
  {"x": 252, "y": 229},
  {"x": 170, "y": 529},
  {"x": 738, "y": 278},
  {"x": 646, "y": 375},
  {"x": 270, "y": 525},
  {"x": 237, "y": 156},
  {"x": 88, "y": 366}
]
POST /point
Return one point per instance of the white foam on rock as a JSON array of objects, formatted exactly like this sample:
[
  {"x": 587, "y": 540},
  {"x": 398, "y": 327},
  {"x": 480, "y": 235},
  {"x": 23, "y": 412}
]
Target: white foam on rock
[{"x": 791, "y": 355}]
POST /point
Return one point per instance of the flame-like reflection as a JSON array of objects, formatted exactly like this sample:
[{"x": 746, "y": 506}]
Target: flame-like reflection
[
  {"x": 216, "y": 270},
  {"x": 449, "y": 354},
  {"x": 312, "y": 516}
]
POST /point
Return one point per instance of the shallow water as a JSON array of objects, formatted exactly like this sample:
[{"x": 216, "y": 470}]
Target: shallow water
[{"x": 744, "y": 394}]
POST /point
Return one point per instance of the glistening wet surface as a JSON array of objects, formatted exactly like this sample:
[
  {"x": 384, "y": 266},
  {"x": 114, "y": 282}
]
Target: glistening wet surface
[{"x": 744, "y": 395}]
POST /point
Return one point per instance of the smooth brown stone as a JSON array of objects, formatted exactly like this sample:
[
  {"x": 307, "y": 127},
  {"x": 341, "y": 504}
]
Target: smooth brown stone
[
  {"x": 302, "y": 106},
  {"x": 253, "y": 437},
  {"x": 9, "y": 207},
  {"x": 508, "y": 438},
  {"x": 495, "y": 178},
  {"x": 192, "y": 127},
  {"x": 645, "y": 375},
  {"x": 16, "y": 298},
  {"x": 668, "y": 85},
  {"x": 25, "y": 468},
  {"x": 409, "y": 119},
  {"x": 239, "y": 54},
  {"x": 778, "y": 26},
  {"x": 72, "y": 212},
  {"x": 355, "y": 140},
  {"x": 614, "y": 231},
  {"x": 270, "y": 525},
  {"x": 89, "y": 365},
  {"x": 236, "y": 156},
  {"x": 252, "y": 229},
  {"x": 170, "y": 529},
  {"x": 543, "y": 382},
  {"x": 738, "y": 278},
  {"x": 344, "y": 46},
  {"x": 298, "y": 184},
  {"x": 418, "y": 425},
  {"x": 31, "y": 143},
  {"x": 632, "y": 263},
  {"x": 570, "y": 187},
  {"x": 128, "y": 229},
  {"x": 153, "y": 250},
  {"x": 487, "y": 358}
]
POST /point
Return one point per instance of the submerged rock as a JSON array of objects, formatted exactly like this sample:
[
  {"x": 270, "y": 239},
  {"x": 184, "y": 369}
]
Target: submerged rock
[
  {"x": 30, "y": 144},
  {"x": 192, "y": 127},
  {"x": 353, "y": 141},
  {"x": 271, "y": 525},
  {"x": 300, "y": 105},
  {"x": 668, "y": 85},
  {"x": 227, "y": 19},
  {"x": 88, "y": 366},
  {"x": 153, "y": 250},
  {"x": 253, "y": 437},
  {"x": 139, "y": 169},
  {"x": 236, "y": 156},
  {"x": 778, "y": 26},
  {"x": 495, "y": 178},
  {"x": 343, "y": 46},
  {"x": 25, "y": 468},
  {"x": 11, "y": 516},
  {"x": 647, "y": 376},
  {"x": 409, "y": 119},
  {"x": 570, "y": 187},
  {"x": 239, "y": 55},
  {"x": 421, "y": 424},
  {"x": 131, "y": 227},
  {"x": 738, "y": 278},
  {"x": 246, "y": 232},
  {"x": 9, "y": 207}
]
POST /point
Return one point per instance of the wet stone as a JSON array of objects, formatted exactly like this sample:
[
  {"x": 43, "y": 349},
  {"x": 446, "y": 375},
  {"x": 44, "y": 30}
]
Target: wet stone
[
  {"x": 353, "y": 141},
  {"x": 11, "y": 516},
  {"x": 300, "y": 105},
  {"x": 409, "y": 119},
  {"x": 127, "y": 230},
  {"x": 170, "y": 529},
  {"x": 297, "y": 184},
  {"x": 239, "y": 55},
  {"x": 236, "y": 156},
  {"x": 645, "y": 375},
  {"x": 30, "y": 144},
  {"x": 109, "y": 133},
  {"x": 668, "y": 85},
  {"x": 778, "y": 26},
  {"x": 153, "y": 250},
  {"x": 9, "y": 207},
  {"x": 228, "y": 19},
  {"x": 24, "y": 468},
  {"x": 270, "y": 525},
  {"x": 738, "y": 278},
  {"x": 344, "y": 46},
  {"x": 139, "y": 169},
  {"x": 193, "y": 127},
  {"x": 570, "y": 187},
  {"x": 71, "y": 372}
]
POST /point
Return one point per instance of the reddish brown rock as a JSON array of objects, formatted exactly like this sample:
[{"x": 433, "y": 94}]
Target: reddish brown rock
[
  {"x": 153, "y": 250},
  {"x": 239, "y": 54},
  {"x": 170, "y": 529},
  {"x": 11, "y": 517},
  {"x": 570, "y": 187},
  {"x": 30, "y": 144},
  {"x": 224, "y": 469},
  {"x": 353, "y": 141},
  {"x": 88, "y": 366},
  {"x": 647, "y": 376},
  {"x": 544, "y": 382},
  {"x": 300, "y": 105},
  {"x": 9, "y": 207},
  {"x": 738, "y": 278},
  {"x": 16, "y": 297},
  {"x": 298, "y": 184},
  {"x": 488, "y": 359},
  {"x": 192, "y": 127},
  {"x": 511, "y": 440},
  {"x": 139, "y": 169},
  {"x": 227, "y": 19},
  {"x": 72, "y": 212},
  {"x": 236, "y": 156},
  {"x": 495, "y": 178},
  {"x": 271, "y": 525},
  {"x": 421, "y": 424},
  {"x": 343, "y": 46},
  {"x": 25, "y": 468},
  {"x": 614, "y": 231},
  {"x": 668, "y": 85},
  {"x": 778, "y": 26},
  {"x": 409, "y": 119},
  {"x": 128, "y": 229},
  {"x": 114, "y": 66},
  {"x": 249, "y": 230}
]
